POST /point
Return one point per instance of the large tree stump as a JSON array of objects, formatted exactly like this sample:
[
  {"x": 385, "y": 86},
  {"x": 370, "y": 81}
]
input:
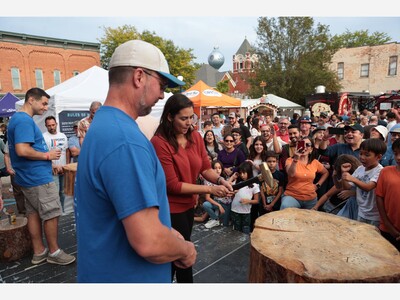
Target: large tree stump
[
  {"x": 15, "y": 241},
  {"x": 298, "y": 245},
  {"x": 69, "y": 178}
]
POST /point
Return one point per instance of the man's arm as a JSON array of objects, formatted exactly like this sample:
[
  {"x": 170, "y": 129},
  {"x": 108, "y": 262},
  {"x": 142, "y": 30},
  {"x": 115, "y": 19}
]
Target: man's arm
[
  {"x": 25, "y": 150},
  {"x": 155, "y": 242}
]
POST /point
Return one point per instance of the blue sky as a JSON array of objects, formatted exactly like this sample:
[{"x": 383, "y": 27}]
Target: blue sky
[{"x": 201, "y": 29}]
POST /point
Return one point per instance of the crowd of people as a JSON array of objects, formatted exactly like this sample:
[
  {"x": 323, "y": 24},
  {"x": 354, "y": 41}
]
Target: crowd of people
[
  {"x": 136, "y": 199},
  {"x": 322, "y": 163}
]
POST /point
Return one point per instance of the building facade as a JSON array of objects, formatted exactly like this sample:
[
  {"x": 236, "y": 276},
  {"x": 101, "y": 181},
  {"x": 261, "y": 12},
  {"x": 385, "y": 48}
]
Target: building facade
[
  {"x": 244, "y": 63},
  {"x": 28, "y": 61},
  {"x": 370, "y": 68}
]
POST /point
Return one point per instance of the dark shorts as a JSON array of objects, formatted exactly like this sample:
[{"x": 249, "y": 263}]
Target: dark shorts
[{"x": 43, "y": 200}]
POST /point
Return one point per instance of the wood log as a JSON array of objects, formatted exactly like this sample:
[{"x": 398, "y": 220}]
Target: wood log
[
  {"x": 69, "y": 178},
  {"x": 298, "y": 246},
  {"x": 15, "y": 241}
]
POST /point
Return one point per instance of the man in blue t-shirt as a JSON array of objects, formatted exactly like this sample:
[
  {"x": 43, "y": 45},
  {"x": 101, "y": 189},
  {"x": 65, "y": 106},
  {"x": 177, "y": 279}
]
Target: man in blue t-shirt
[
  {"x": 33, "y": 172},
  {"x": 124, "y": 229}
]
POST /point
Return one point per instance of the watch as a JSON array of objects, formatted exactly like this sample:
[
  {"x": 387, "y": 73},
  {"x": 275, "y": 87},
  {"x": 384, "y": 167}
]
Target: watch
[{"x": 318, "y": 185}]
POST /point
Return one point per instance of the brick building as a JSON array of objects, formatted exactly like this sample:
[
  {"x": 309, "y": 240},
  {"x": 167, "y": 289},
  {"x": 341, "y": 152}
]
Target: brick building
[
  {"x": 28, "y": 61},
  {"x": 244, "y": 63},
  {"x": 369, "y": 68}
]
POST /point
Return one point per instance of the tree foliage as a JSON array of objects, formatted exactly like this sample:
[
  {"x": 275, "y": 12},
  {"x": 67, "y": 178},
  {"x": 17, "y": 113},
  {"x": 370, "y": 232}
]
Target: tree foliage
[
  {"x": 180, "y": 61},
  {"x": 359, "y": 38},
  {"x": 223, "y": 86},
  {"x": 294, "y": 57}
]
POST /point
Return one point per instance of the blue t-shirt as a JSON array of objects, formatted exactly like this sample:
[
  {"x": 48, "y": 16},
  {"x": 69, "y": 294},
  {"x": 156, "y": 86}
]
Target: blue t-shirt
[
  {"x": 118, "y": 174},
  {"x": 28, "y": 173},
  {"x": 334, "y": 151},
  {"x": 73, "y": 141}
]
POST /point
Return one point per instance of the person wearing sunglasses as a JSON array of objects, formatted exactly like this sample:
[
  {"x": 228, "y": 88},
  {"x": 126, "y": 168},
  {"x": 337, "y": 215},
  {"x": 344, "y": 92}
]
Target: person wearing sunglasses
[
  {"x": 231, "y": 157},
  {"x": 301, "y": 170}
]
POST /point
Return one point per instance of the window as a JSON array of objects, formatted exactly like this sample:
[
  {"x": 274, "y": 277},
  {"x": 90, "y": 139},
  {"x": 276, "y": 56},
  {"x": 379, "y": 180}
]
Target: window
[
  {"x": 340, "y": 70},
  {"x": 16, "y": 81},
  {"x": 74, "y": 73},
  {"x": 364, "y": 70},
  {"x": 39, "y": 78},
  {"x": 57, "y": 77},
  {"x": 392, "y": 66}
]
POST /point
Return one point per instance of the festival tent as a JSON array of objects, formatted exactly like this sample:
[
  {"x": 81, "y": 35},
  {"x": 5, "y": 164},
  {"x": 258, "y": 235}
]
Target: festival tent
[
  {"x": 7, "y": 105},
  {"x": 70, "y": 100},
  {"x": 203, "y": 95}
]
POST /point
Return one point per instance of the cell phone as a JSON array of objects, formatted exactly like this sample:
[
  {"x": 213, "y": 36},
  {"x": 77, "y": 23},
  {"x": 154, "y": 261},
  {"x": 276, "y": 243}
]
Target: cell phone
[
  {"x": 300, "y": 146},
  {"x": 334, "y": 130}
]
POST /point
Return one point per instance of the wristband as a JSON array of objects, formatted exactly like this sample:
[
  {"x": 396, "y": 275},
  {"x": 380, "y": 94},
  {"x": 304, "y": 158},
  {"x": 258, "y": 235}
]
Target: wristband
[
  {"x": 318, "y": 185},
  {"x": 295, "y": 160}
]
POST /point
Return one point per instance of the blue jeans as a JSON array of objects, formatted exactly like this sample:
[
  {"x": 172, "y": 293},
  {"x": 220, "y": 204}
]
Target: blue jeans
[
  {"x": 214, "y": 214},
  {"x": 350, "y": 209},
  {"x": 211, "y": 209},
  {"x": 289, "y": 201}
]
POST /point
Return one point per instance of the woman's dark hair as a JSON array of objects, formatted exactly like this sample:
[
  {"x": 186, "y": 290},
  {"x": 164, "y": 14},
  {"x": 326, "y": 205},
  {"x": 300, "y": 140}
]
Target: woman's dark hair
[
  {"x": 172, "y": 107},
  {"x": 346, "y": 158},
  {"x": 214, "y": 162},
  {"x": 245, "y": 167},
  {"x": 255, "y": 123},
  {"x": 252, "y": 149},
  {"x": 215, "y": 143},
  {"x": 314, "y": 153},
  {"x": 249, "y": 121}
]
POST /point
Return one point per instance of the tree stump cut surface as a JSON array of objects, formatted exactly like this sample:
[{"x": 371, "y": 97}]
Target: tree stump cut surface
[
  {"x": 298, "y": 245},
  {"x": 15, "y": 241}
]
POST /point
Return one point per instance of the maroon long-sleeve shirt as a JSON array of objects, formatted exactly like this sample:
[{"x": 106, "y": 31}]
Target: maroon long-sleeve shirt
[{"x": 184, "y": 166}]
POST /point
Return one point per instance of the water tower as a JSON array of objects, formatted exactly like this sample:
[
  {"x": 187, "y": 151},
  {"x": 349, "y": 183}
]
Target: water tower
[{"x": 216, "y": 58}]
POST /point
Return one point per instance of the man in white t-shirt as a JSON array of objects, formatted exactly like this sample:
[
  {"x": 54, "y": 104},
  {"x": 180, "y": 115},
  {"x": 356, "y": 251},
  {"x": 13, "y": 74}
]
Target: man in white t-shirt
[
  {"x": 58, "y": 140},
  {"x": 217, "y": 127}
]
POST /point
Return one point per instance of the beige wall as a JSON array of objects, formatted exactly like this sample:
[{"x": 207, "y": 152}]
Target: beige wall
[{"x": 378, "y": 59}]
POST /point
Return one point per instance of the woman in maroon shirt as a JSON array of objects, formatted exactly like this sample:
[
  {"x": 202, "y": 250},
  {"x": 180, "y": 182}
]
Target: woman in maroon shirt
[{"x": 183, "y": 156}]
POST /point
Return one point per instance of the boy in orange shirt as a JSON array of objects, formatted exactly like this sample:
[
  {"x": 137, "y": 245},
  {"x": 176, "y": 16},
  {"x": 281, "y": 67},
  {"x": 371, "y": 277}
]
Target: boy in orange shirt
[{"x": 388, "y": 201}]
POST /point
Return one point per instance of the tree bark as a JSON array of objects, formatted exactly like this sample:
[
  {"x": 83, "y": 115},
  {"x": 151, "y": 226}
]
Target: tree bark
[
  {"x": 297, "y": 246},
  {"x": 15, "y": 241}
]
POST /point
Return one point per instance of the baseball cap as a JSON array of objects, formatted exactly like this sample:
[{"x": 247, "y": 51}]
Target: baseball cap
[
  {"x": 305, "y": 119},
  {"x": 138, "y": 53},
  {"x": 232, "y": 115},
  {"x": 323, "y": 114},
  {"x": 319, "y": 128},
  {"x": 382, "y": 130},
  {"x": 396, "y": 130},
  {"x": 355, "y": 126}
]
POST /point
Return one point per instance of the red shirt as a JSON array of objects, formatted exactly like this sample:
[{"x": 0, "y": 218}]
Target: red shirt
[{"x": 184, "y": 166}]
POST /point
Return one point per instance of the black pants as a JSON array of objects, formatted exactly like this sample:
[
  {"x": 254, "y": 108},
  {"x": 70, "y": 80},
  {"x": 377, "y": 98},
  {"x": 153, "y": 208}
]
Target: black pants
[{"x": 183, "y": 223}]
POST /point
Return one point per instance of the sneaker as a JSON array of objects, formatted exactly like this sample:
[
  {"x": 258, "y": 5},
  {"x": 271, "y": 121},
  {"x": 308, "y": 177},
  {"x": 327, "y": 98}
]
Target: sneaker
[
  {"x": 37, "y": 259},
  {"x": 211, "y": 224},
  {"x": 61, "y": 259}
]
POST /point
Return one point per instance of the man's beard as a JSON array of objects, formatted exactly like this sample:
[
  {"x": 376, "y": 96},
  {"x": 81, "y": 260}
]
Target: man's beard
[{"x": 144, "y": 109}]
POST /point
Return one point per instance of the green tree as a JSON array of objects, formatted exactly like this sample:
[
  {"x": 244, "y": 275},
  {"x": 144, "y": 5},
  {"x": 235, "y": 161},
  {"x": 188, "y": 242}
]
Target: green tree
[
  {"x": 294, "y": 57},
  {"x": 359, "y": 38},
  {"x": 223, "y": 86},
  {"x": 180, "y": 61}
]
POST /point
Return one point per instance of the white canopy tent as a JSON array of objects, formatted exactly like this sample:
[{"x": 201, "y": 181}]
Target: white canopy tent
[{"x": 70, "y": 101}]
